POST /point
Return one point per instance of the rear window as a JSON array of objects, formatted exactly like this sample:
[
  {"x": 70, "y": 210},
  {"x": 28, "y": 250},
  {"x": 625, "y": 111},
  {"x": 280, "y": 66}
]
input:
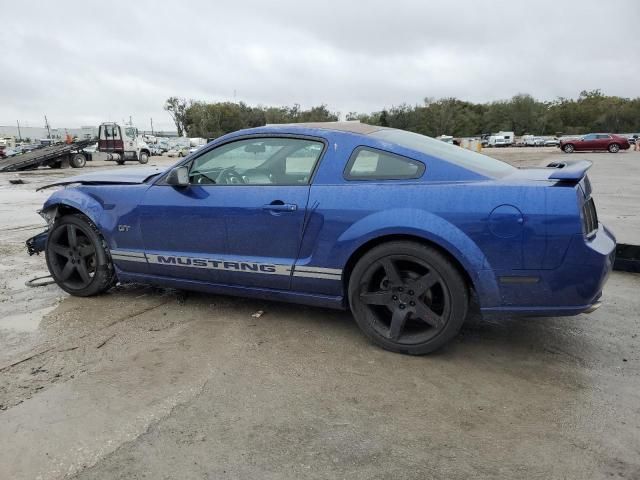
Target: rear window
[
  {"x": 373, "y": 164},
  {"x": 476, "y": 162}
]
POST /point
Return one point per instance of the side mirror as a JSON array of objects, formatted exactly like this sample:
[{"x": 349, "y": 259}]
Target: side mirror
[{"x": 178, "y": 177}]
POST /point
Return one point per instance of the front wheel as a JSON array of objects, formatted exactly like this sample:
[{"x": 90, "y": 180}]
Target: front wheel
[
  {"x": 143, "y": 157},
  {"x": 408, "y": 298},
  {"x": 568, "y": 148},
  {"x": 120, "y": 162},
  {"x": 77, "y": 257},
  {"x": 614, "y": 148}
]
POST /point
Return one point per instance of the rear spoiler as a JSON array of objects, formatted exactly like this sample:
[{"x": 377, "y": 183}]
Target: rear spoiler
[{"x": 569, "y": 171}]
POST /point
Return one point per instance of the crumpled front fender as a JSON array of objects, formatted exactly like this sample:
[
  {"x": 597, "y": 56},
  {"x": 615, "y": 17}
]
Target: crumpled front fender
[{"x": 74, "y": 198}]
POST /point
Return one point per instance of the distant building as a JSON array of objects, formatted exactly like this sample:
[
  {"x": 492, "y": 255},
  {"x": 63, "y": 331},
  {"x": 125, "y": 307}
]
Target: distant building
[{"x": 35, "y": 133}]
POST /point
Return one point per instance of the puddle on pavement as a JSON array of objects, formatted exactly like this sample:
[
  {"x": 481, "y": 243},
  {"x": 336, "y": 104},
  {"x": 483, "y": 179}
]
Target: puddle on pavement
[{"x": 25, "y": 321}]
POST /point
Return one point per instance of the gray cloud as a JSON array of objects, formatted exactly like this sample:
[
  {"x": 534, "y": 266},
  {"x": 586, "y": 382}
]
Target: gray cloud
[{"x": 83, "y": 62}]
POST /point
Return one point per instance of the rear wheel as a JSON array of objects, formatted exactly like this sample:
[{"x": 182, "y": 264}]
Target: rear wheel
[
  {"x": 614, "y": 148},
  {"x": 77, "y": 257},
  {"x": 568, "y": 148},
  {"x": 78, "y": 160},
  {"x": 407, "y": 297}
]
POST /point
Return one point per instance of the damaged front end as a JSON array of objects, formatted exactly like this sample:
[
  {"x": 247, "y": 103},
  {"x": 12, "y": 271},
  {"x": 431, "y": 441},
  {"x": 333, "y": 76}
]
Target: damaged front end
[{"x": 38, "y": 243}]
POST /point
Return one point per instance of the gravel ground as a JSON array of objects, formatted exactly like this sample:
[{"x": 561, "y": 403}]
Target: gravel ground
[{"x": 149, "y": 383}]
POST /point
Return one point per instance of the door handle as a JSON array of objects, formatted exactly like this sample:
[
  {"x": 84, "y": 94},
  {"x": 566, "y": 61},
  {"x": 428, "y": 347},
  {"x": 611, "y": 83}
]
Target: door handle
[{"x": 279, "y": 206}]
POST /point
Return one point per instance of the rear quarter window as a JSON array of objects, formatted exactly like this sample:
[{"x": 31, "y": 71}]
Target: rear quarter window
[{"x": 368, "y": 163}]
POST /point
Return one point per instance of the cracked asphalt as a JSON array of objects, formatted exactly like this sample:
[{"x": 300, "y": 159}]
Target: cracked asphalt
[{"x": 150, "y": 383}]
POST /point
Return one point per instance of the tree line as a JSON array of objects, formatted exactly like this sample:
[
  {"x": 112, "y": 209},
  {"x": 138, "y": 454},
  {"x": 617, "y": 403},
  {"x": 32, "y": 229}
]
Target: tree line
[{"x": 592, "y": 111}]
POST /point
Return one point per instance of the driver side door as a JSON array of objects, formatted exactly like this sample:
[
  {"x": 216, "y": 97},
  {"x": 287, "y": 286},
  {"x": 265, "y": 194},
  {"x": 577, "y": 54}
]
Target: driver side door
[
  {"x": 240, "y": 220},
  {"x": 588, "y": 142}
]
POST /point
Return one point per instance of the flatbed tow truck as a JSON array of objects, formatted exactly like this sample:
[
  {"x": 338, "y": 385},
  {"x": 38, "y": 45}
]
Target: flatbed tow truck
[{"x": 59, "y": 155}]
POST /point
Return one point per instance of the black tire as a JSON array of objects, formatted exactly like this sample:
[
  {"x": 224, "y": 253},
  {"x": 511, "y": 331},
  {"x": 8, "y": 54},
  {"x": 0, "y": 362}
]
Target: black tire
[
  {"x": 120, "y": 162},
  {"x": 407, "y": 297},
  {"x": 143, "y": 157},
  {"x": 568, "y": 148},
  {"x": 78, "y": 160},
  {"x": 614, "y": 148},
  {"x": 78, "y": 258}
]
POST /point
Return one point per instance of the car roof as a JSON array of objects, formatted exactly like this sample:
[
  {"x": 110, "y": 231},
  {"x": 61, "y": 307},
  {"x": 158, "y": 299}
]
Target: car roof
[{"x": 351, "y": 127}]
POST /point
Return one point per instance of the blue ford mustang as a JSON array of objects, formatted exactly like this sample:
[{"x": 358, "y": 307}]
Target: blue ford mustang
[{"x": 408, "y": 232}]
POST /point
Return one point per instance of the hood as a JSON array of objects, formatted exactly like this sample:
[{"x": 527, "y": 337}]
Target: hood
[{"x": 123, "y": 176}]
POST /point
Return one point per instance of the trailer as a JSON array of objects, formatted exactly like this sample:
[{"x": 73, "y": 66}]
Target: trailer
[{"x": 55, "y": 156}]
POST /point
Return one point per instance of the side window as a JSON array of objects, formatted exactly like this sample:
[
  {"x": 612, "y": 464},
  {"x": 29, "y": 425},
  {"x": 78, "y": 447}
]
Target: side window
[
  {"x": 591, "y": 136},
  {"x": 372, "y": 164},
  {"x": 258, "y": 161},
  {"x": 603, "y": 136}
]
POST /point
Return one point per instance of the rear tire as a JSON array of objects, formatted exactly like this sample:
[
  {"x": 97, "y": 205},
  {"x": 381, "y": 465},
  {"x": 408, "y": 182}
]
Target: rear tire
[
  {"x": 78, "y": 258},
  {"x": 568, "y": 148},
  {"x": 614, "y": 148},
  {"x": 78, "y": 160},
  {"x": 408, "y": 298}
]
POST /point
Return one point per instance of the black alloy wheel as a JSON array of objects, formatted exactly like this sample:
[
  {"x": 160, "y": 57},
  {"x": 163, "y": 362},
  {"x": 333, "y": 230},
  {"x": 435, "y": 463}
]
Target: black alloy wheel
[
  {"x": 408, "y": 297},
  {"x": 77, "y": 258}
]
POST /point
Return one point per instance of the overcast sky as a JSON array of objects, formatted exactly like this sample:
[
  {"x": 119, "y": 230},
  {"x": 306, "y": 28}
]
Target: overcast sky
[{"x": 84, "y": 62}]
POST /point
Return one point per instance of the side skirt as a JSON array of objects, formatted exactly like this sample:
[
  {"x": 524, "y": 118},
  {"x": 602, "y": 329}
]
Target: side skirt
[{"x": 234, "y": 290}]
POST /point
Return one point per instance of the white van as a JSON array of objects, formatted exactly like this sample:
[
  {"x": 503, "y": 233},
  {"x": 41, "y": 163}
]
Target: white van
[
  {"x": 496, "y": 141},
  {"x": 509, "y": 138}
]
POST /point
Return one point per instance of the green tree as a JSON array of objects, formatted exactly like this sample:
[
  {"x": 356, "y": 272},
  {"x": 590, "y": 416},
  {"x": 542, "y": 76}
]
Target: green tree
[{"x": 177, "y": 108}]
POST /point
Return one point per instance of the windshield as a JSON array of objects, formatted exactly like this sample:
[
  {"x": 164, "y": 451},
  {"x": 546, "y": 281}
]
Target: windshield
[{"x": 473, "y": 161}]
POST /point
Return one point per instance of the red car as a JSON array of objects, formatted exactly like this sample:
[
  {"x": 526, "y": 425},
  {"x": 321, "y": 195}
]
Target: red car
[{"x": 594, "y": 142}]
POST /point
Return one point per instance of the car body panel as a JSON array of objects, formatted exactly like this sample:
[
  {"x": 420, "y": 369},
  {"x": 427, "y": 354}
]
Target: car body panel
[{"x": 519, "y": 237}]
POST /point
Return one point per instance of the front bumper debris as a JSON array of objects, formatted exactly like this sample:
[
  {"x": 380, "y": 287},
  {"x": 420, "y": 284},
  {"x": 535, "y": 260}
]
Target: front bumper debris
[{"x": 37, "y": 244}]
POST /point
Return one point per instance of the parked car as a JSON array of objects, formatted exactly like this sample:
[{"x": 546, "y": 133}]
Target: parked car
[
  {"x": 595, "y": 142},
  {"x": 402, "y": 229},
  {"x": 10, "y": 152},
  {"x": 632, "y": 140},
  {"x": 496, "y": 141},
  {"x": 551, "y": 142},
  {"x": 155, "y": 150},
  {"x": 178, "y": 151}
]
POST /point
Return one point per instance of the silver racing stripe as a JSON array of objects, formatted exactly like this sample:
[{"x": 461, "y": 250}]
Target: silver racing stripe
[
  {"x": 240, "y": 266},
  {"x": 128, "y": 256},
  {"x": 323, "y": 276},
  {"x": 128, "y": 259},
  {"x": 217, "y": 264}
]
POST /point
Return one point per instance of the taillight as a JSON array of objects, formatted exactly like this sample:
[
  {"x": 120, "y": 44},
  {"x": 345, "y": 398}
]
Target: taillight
[{"x": 589, "y": 218}]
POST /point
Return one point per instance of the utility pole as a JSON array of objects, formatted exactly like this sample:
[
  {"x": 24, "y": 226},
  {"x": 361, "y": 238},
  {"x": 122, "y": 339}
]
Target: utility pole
[
  {"x": 19, "y": 134},
  {"x": 130, "y": 121},
  {"x": 152, "y": 126},
  {"x": 46, "y": 123}
]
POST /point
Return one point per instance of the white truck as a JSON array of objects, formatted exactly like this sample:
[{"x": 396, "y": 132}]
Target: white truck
[
  {"x": 509, "y": 138},
  {"x": 122, "y": 143},
  {"x": 496, "y": 141}
]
